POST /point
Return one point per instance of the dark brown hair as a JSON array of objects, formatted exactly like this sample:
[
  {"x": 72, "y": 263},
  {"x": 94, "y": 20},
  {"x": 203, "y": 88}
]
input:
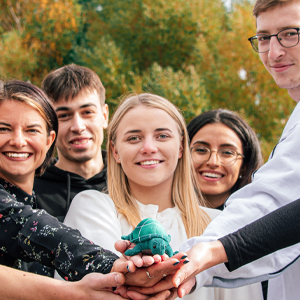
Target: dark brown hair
[
  {"x": 33, "y": 96},
  {"x": 251, "y": 149},
  {"x": 67, "y": 82}
]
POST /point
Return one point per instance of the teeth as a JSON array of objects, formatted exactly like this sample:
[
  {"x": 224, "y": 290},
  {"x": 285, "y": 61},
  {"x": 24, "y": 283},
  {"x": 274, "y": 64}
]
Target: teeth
[
  {"x": 23, "y": 155},
  {"x": 149, "y": 162},
  {"x": 80, "y": 142},
  {"x": 212, "y": 175}
]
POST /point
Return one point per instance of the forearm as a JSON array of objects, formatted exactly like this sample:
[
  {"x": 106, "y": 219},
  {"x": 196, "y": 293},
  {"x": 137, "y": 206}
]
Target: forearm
[
  {"x": 34, "y": 235},
  {"x": 275, "y": 231},
  {"x": 217, "y": 255},
  {"x": 17, "y": 284}
]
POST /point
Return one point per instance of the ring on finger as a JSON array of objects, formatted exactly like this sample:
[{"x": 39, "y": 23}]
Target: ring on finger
[{"x": 148, "y": 274}]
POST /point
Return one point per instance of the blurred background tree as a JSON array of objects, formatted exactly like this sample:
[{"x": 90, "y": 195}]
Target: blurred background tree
[{"x": 193, "y": 52}]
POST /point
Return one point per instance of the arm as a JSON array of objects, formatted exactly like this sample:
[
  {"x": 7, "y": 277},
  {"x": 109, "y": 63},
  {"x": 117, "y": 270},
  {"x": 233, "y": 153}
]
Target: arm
[
  {"x": 271, "y": 233},
  {"x": 17, "y": 284},
  {"x": 33, "y": 235},
  {"x": 275, "y": 231}
]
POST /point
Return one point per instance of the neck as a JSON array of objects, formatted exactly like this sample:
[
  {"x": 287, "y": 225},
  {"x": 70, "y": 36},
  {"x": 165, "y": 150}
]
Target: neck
[
  {"x": 85, "y": 169},
  {"x": 294, "y": 94},
  {"x": 25, "y": 183},
  {"x": 216, "y": 200},
  {"x": 158, "y": 195}
]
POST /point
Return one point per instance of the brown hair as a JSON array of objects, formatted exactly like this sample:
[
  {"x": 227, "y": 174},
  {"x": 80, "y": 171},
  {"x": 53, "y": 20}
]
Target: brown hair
[
  {"x": 67, "y": 82},
  {"x": 33, "y": 96},
  {"x": 264, "y": 5},
  {"x": 184, "y": 194}
]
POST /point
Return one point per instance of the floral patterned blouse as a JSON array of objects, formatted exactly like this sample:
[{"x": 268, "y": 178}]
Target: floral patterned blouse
[{"x": 33, "y": 235}]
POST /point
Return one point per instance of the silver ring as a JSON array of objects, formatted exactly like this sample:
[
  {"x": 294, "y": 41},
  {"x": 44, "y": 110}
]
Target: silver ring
[
  {"x": 164, "y": 275},
  {"x": 149, "y": 275}
]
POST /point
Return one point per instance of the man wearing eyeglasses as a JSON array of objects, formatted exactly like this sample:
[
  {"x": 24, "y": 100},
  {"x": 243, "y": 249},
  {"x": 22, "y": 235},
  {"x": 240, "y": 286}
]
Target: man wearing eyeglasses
[{"x": 274, "y": 185}]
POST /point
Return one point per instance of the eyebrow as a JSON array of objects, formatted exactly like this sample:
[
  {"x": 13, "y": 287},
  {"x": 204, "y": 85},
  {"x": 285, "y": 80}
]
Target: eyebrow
[
  {"x": 67, "y": 108},
  {"x": 5, "y": 124},
  {"x": 29, "y": 126},
  {"x": 34, "y": 125},
  {"x": 282, "y": 28},
  {"x": 208, "y": 145},
  {"x": 156, "y": 130}
]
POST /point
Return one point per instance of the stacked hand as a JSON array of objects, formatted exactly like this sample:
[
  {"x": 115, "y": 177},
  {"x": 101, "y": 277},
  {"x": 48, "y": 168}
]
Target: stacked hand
[
  {"x": 148, "y": 277},
  {"x": 152, "y": 277}
]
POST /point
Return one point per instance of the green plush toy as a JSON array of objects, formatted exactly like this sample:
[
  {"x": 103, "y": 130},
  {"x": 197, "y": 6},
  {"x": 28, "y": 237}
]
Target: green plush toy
[{"x": 149, "y": 234}]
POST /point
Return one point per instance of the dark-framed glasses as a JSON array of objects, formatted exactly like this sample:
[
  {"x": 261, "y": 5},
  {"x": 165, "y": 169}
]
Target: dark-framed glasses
[
  {"x": 226, "y": 157},
  {"x": 287, "y": 38}
]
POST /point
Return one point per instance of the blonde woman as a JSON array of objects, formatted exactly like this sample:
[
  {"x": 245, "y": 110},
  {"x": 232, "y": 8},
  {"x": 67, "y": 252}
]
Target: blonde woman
[{"x": 149, "y": 175}]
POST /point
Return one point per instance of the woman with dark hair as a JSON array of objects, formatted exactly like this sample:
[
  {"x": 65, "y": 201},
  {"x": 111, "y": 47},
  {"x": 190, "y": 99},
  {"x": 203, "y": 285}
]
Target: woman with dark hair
[{"x": 225, "y": 152}]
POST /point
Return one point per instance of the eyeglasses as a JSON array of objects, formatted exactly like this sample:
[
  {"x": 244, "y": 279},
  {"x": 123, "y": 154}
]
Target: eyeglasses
[
  {"x": 227, "y": 157},
  {"x": 287, "y": 38}
]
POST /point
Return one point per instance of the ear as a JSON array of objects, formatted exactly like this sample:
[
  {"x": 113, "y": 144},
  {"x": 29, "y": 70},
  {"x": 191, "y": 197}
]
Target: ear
[
  {"x": 115, "y": 152},
  {"x": 105, "y": 113},
  {"x": 181, "y": 148},
  {"x": 50, "y": 139}
]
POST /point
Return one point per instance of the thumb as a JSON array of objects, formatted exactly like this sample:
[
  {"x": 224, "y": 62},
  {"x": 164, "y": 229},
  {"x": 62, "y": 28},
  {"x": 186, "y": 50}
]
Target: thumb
[
  {"x": 182, "y": 274},
  {"x": 100, "y": 281}
]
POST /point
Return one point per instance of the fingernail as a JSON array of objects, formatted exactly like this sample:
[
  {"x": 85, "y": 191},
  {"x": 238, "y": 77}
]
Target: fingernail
[
  {"x": 177, "y": 282},
  {"x": 118, "y": 278},
  {"x": 184, "y": 256},
  {"x": 186, "y": 261},
  {"x": 175, "y": 264},
  {"x": 128, "y": 269},
  {"x": 182, "y": 293}
]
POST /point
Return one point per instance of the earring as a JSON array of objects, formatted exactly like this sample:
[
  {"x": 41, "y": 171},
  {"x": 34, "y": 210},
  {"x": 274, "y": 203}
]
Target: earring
[{"x": 240, "y": 176}]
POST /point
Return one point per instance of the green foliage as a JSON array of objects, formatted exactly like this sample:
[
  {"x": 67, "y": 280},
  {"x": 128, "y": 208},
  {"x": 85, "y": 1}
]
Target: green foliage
[
  {"x": 193, "y": 52},
  {"x": 15, "y": 61},
  {"x": 149, "y": 31},
  {"x": 185, "y": 88}
]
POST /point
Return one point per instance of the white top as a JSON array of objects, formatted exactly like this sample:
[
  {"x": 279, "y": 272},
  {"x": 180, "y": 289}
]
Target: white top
[
  {"x": 95, "y": 216},
  {"x": 275, "y": 184}
]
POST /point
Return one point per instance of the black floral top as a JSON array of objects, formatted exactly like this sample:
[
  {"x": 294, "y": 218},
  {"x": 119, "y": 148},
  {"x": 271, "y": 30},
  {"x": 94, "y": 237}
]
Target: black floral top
[{"x": 33, "y": 235}]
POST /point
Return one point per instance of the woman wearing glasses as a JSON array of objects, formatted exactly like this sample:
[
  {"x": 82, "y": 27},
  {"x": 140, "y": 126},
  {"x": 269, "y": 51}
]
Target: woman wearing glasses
[{"x": 225, "y": 152}]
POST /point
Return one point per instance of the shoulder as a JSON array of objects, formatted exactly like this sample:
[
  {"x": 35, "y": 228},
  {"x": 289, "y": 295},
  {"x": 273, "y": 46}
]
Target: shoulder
[
  {"x": 93, "y": 199},
  {"x": 212, "y": 212}
]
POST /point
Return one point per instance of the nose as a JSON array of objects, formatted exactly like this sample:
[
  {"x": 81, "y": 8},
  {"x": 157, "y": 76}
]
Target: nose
[
  {"x": 214, "y": 159},
  {"x": 78, "y": 124},
  {"x": 148, "y": 146},
  {"x": 18, "y": 139},
  {"x": 276, "y": 49}
]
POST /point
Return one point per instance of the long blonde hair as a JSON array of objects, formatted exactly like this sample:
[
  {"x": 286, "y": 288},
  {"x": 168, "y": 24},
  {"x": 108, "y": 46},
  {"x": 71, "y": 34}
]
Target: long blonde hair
[{"x": 185, "y": 194}]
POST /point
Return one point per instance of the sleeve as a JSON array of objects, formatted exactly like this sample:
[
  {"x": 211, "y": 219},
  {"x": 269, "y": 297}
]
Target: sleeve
[
  {"x": 277, "y": 230},
  {"x": 94, "y": 214},
  {"x": 34, "y": 235},
  {"x": 274, "y": 185}
]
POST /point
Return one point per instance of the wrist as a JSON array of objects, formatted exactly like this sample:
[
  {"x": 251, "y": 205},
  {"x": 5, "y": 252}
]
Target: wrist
[{"x": 218, "y": 254}]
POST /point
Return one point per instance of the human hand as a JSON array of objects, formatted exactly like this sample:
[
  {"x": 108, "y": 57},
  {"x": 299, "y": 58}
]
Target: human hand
[
  {"x": 149, "y": 276},
  {"x": 143, "y": 279},
  {"x": 141, "y": 293},
  {"x": 139, "y": 260},
  {"x": 96, "y": 286},
  {"x": 202, "y": 256}
]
